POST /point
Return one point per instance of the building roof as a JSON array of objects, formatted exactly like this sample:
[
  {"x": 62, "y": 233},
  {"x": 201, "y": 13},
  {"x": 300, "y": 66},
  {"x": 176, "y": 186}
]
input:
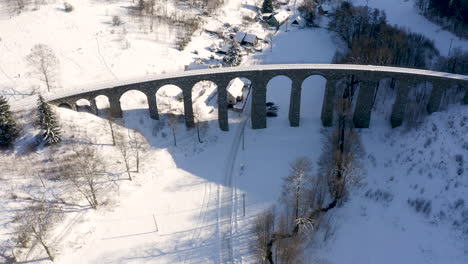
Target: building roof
[
  {"x": 235, "y": 86},
  {"x": 281, "y": 16},
  {"x": 239, "y": 37},
  {"x": 250, "y": 38},
  {"x": 299, "y": 20}
]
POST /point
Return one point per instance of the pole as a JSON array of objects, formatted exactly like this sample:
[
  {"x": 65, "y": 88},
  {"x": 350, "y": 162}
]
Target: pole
[
  {"x": 155, "y": 224},
  {"x": 243, "y": 138},
  {"x": 243, "y": 202},
  {"x": 450, "y": 48}
]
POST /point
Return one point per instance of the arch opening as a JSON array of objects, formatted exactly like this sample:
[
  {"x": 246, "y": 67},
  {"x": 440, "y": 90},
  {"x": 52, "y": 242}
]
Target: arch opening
[
  {"x": 416, "y": 105},
  {"x": 454, "y": 94},
  {"x": 65, "y": 105},
  {"x": 170, "y": 100},
  {"x": 204, "y": 100},
  {"x": 102, "y": 104},
  {"x": 312, "y": 99},
  {"x": 133, "y": 100},
  {"x": 384, "y": 99},
  {"x": 83, "y": 105},
  {"x": 278, "y": 98}
]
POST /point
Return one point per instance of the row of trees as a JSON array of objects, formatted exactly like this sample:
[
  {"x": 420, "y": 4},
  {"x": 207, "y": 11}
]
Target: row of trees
[
  {"x": 371, "y": 40},
  {"x": 307, "y": 196},
  {"x": 455, "y": 13}
]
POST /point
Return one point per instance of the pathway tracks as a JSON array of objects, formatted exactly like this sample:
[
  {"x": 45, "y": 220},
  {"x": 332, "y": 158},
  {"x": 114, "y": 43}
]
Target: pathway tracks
[{"x": 225, "y": 203}]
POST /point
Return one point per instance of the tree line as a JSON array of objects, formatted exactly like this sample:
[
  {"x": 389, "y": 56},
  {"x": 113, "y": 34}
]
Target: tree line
[
  {"x": 370, "y": 40},
  {"x": 452, "y": 14}
]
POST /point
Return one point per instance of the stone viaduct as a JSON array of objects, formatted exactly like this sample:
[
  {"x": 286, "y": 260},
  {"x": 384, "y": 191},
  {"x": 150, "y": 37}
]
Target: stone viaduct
[{"x": 367, "y": 75}]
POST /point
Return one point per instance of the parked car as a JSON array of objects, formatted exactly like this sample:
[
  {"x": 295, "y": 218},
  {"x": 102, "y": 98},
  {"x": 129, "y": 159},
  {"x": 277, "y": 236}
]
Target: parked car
[{"x": 271, "y": 109}]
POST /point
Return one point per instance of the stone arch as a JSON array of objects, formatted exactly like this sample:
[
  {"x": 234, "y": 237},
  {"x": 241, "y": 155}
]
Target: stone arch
[
  {"x": 134, "y": 100},
  {"x": 453, "y": 94},
  {"x": 418, "y": 98},
  {"x": 170, "y": 99},
  {"x": 84, "y": 105},
  {"x": 102, "y": 103},
  {"x": 65, "y": 105},
  {"x": 313, "y": 97},
  {"x": 203, "y": 95},
  {"x": 278, "y": 91}
]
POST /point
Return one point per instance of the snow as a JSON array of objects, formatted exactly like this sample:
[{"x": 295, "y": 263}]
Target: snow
[
  {"x": 405, "y": 14},
  {"x": 185, "y": 206}
]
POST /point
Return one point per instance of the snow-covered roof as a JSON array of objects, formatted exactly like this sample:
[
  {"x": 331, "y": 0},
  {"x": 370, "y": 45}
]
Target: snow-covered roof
[
  {"x": 224, "y": 49},
  {"x": 235, "y": 86},
  {"x": 299, "y": 20},
  {"x": 250, "y": 38},
  {"x": 239, "y": 36},
  {"x": 281, "y": 16}
]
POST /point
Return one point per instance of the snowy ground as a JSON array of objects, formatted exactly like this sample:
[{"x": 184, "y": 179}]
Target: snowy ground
[{"x": 175, "y": 209}]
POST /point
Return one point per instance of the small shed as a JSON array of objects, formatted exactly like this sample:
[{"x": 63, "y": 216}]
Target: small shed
[
  {"x": 239, "y": 37},
  {"x": 250, "y": 39},
  {"x": 235, "y": 91},
  {"x": 278, "y": 19},
  {"x": 224, "y": 49},
  {"x": 298, "y": 21}
]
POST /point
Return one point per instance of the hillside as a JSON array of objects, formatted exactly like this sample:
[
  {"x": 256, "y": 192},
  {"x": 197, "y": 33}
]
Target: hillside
[{"x": 186, "y": 203}]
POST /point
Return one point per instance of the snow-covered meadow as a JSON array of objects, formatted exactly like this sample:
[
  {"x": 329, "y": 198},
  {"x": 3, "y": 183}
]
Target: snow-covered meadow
[{"x": 410, "y": 207}]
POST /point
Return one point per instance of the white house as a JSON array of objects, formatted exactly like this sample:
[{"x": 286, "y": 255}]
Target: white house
[{"x": 235, "y": 91}]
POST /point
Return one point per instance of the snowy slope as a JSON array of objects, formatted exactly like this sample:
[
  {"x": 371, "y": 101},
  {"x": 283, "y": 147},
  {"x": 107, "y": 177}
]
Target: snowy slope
[
  {"x": 404, "y": 13},
  {"x": 171, "y": 212}
]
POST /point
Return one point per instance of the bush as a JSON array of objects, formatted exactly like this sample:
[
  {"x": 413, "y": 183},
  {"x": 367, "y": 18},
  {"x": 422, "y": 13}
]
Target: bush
[
  {"x": 116, "y": 21},
  {"x": 67, "y": 7}
]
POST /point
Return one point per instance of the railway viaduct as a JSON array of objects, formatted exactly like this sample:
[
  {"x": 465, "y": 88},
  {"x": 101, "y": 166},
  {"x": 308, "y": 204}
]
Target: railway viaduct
[{"x": 368, "y": 77}]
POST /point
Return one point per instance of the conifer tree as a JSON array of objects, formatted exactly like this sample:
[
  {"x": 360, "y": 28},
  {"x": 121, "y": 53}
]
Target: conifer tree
[
  {"x": 234, "y": 55},
  {"x": 267, "y": 6},
  {"x": 8, "y": 129},
  {"x": 47, "y": 122}
]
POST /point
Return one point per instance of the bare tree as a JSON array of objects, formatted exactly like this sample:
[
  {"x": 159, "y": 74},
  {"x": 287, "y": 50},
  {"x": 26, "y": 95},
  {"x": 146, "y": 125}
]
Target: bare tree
[
  {"x": 84, "y": 169},
  {"x": 44, "y": 63},
  {"x": 173, "y": 121},
  {"x": 296, "y": 185},
  {"x": 112, "y": 130},
  {"x": 198, "y": 117},
  {"x": 125, "y": 153},
  {"x": 263, "y": 229},
  {"x": 137, "y": 142},
  {"x": 36, "y": 222}
]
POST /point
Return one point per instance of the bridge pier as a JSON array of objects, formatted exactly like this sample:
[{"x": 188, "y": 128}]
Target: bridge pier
[
  {"x": 152, "y": 105},
  {"x": 438, "y": 89},
  {"x": 258, "y": 113},
  {"x": 222, "y": 106},
  {"x": 328, "y": 102},
  {"x": 188, "y": 109},
  {"x": 465, "y": 99},
  {"x": 295, "y": 102},
  {"x": 115, "y": 107},
  {"x": 399, "y": 107},
  {"x": 93, "y": 106},
  {"x": 365, "y": 100}
]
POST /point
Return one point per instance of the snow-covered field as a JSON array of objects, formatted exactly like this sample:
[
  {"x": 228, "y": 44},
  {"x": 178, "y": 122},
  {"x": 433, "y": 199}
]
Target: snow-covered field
[{"x": 411, "y": 206}]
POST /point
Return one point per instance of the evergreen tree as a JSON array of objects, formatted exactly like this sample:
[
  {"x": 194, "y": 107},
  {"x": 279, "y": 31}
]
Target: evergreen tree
[
  {"x": 47, "y": 122},
  {"x": 8, "y": 129},
  {"x": 267, "y": 6},
  {"x": 233, "y": 56}
]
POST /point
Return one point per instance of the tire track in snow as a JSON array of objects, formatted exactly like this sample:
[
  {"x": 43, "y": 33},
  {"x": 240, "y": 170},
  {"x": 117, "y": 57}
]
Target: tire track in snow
[{"x": 225, "y": 203}]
